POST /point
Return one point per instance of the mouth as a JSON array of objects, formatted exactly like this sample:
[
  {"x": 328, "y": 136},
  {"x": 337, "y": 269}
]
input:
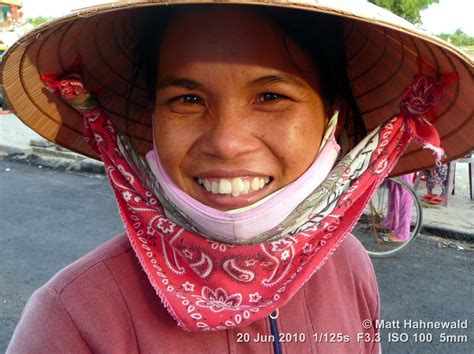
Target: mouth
[{"x": 235, "y": 192}]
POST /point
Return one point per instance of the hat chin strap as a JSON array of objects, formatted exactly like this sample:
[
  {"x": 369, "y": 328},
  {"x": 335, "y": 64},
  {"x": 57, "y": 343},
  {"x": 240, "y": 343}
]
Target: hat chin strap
[{"x": 246, "y": 225}]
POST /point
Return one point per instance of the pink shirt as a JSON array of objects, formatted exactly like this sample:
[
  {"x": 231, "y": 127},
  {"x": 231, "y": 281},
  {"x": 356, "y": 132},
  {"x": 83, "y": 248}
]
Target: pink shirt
[{"x": 103, "y": 303}]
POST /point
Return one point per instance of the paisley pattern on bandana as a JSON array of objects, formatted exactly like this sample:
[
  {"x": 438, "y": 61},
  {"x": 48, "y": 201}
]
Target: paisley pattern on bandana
[{"x": 208, "y": 285}]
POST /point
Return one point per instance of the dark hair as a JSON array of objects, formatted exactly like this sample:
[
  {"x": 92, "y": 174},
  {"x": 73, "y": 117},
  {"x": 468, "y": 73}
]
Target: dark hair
[{"x": 319, "y": 36}]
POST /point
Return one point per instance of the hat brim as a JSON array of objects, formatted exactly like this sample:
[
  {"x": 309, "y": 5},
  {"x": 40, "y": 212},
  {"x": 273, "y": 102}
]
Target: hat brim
[{"x": 381, "y": 60}]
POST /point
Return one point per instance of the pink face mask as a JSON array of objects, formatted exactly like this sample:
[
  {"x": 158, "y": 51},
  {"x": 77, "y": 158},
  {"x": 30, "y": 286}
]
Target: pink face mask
[{"x": 245, "y": 224}]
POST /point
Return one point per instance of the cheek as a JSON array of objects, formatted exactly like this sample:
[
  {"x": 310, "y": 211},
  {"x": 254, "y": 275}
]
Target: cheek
[
  {"x": 172, "y": 143},
  {"x": 297, "y": 146}
]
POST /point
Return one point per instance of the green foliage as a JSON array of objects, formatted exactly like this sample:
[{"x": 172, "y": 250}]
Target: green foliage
[
  {"x": 408, "y": 9},
  {"x": 36, "y": 21},
  {"x": 458, "y": 38}
]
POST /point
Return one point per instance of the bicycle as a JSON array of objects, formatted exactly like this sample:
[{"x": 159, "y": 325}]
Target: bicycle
[{"x": 374, "y": 237}]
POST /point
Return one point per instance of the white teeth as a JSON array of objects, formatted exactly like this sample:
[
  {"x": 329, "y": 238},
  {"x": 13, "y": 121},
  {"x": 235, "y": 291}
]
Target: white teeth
[
  {"x": 235, "y": 186},
  {"x": 225, "y": 187},
  {"x": 255, "y": 184},
  {"x": 246, "y": 187},
  {"x": 215, "y": 187},
  {"x": 207, "y": 185}
]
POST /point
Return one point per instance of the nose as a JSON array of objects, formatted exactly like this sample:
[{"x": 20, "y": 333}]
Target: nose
[{"x": 232, "y": 132}]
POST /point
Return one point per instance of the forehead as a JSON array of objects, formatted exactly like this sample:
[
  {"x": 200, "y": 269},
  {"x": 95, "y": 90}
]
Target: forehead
[{"x": 228, "y": 34}]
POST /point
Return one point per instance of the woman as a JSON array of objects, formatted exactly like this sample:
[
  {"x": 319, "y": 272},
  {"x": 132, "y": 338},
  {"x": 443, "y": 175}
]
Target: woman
[
  {"x": 219, "y": 138},
  {"x": 400, "y": 204},
  {"x": 437, "y": 174}
]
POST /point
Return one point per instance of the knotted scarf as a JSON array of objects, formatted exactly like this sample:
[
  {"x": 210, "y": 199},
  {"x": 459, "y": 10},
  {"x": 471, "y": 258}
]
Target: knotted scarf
[{"x": 211, "y": 285}]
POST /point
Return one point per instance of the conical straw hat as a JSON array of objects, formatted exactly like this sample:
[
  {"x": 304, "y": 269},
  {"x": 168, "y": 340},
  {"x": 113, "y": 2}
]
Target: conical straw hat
[{"x": 381, "y": 49}]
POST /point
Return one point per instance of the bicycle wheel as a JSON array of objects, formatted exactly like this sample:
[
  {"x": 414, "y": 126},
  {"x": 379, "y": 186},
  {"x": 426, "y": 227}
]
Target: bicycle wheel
[{"x": 370, "y": 231}]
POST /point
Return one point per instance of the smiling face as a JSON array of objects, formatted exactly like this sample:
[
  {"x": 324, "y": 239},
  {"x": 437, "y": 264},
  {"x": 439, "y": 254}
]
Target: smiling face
[{"x": 238, "y": 115}]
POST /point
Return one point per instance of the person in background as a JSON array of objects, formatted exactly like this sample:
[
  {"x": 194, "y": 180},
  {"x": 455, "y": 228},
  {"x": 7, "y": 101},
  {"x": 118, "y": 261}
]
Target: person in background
[
  {"x": 399, "y": 211},
  {"x": 436, "y": 175}
]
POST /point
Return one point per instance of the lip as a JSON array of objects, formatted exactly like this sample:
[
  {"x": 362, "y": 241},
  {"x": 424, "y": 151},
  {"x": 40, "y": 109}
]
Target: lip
[{"x": 230, "y": 174}]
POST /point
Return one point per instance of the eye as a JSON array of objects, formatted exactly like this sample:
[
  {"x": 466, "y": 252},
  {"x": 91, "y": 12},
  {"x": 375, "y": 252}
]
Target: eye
[
  {"x": 270, "y": 97},
  {"x": 186, "y": 104},
  {"x": 189, "y": 99},
  {"x": 272, "y": 102}
]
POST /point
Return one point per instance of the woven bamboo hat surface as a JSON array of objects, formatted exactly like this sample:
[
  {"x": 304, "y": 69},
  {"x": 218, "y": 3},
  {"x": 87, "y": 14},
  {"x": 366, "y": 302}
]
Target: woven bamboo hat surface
[{"x": 381, "y": 53}]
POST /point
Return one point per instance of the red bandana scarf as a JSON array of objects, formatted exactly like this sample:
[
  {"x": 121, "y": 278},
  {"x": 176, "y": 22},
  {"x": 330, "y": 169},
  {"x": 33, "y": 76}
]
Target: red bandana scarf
[{"x": 208, "y": 285}]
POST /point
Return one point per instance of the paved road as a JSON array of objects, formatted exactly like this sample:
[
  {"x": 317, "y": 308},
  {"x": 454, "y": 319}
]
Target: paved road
[{"x": 51, "y": 218}]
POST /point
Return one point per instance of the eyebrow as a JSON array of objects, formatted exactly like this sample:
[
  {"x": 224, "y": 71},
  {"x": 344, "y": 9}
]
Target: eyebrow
[
  {"x": 178, "y": 81},
  {"x": 280, "y": 78},
  {"x": 192, "y": 85}
]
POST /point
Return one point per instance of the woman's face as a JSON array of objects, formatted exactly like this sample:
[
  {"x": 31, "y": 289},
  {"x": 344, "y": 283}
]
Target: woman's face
[{"x": 238, "y": 114}]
